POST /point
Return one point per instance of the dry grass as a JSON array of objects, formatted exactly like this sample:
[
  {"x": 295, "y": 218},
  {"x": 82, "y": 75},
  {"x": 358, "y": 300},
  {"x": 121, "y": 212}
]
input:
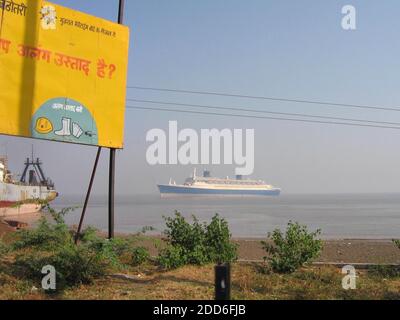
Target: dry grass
[
  {"x": 192, "y": 282},
  {"x": 249, "y": 281}
]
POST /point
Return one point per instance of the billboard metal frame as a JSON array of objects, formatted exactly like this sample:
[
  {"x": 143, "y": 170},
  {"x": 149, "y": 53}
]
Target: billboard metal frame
[{"x": 111, "y": 175}]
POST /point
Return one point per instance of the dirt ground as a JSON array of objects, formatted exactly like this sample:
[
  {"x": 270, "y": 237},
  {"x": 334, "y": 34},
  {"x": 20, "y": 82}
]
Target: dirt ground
[
  {"x": 339, "y": 251},
  {"x": 4, "y": 228},
  {"x": 347, "y": 251}
]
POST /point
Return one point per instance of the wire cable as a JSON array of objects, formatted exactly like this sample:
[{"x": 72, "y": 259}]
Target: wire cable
[
  {"x": 262, "y": 117},
  {"x": 324, "y": 103},
  {"x": 261, "y": 111}
]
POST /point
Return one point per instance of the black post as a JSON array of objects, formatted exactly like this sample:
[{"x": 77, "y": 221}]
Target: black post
[
  {"x": 88, "y": 195},
  {"x": 111, "y": 178},
  {"x": 121, "y": 11},
  {"x": 111, "y": 189},
  {"x": 223, "y": 282}
]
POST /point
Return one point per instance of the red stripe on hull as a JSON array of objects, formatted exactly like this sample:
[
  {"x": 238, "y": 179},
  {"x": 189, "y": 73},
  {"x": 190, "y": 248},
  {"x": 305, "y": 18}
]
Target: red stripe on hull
[{"x": 6, "y": 204}]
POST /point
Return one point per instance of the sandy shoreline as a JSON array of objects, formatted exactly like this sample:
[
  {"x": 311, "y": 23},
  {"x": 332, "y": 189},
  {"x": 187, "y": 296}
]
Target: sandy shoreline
[
  {"x": 338, "y": 251},
  {"x": 334, "y": 250}
]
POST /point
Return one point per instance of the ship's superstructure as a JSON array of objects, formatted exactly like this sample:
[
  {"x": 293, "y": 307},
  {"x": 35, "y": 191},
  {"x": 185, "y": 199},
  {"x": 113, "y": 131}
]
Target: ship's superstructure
[
  {"x": 26, "y": 194},
  {"x": 207, "y": 185}
]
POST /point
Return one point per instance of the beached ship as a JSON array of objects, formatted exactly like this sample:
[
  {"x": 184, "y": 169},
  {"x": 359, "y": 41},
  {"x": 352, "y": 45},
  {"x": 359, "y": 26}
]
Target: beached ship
[
  {"x": 27, "y": 194},
  {"x": 207, "y": 185}
]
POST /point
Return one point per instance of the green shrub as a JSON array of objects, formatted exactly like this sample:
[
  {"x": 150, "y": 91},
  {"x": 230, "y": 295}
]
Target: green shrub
[
  {"x": 52, "y": 243},
  {"x": 111, "y": 250},
  {"x": 181, "y": 233},
  {"x": 196, "y": 243},
  {"x": 45, "y": 236},
  {"x": 139, "y": 256},
  {"x": 384, "y": 271},
  {"x": 172, "y": 257},
  {"x": 119, "y": 252},
  {"x": 291, "y": 251},
  {"x": 74, "y": 265},
  {"x": 114, "y": 250},
  {"x": 3, "y": 249},
  {"x": 220, "y": 248}
]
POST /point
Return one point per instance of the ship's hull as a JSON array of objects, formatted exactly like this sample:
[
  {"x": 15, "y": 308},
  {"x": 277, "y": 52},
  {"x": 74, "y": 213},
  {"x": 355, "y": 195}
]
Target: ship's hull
[
  {"x": 18, "y": 199},
  {"x": 176, "y": 190},
  {"x": 10, "y": 209},
  {"x": 16, "y": 193}
]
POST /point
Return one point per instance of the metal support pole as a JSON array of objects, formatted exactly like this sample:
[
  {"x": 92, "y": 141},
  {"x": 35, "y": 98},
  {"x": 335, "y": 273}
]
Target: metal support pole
[
  {"x": 223, "y": 282},
  {"x": 111, "y": 177},
  {"x": 88, "y": 195},
  {"x": 111, "y": 190},
  {"x": 121, "y": 10}
]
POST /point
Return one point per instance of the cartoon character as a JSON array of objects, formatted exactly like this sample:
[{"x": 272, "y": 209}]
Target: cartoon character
[{"x": 48, "y": 17}]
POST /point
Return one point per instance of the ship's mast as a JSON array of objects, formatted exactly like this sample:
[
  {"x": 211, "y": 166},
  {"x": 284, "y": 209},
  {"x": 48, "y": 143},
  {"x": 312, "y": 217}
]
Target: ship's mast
[{"x": 37, "y": 168}]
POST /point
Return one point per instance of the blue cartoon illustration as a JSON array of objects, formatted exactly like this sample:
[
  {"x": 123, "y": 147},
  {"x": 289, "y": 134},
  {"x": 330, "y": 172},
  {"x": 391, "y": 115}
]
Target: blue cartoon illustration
[{"x": 66, "y": 120}]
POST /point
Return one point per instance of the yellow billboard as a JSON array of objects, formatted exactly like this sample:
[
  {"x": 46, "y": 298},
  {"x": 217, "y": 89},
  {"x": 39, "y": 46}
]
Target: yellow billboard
[{"x": 62, "y": 74}]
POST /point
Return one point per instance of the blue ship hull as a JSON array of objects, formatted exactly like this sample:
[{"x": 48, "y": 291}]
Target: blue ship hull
[{"x": 182, "y": 190}]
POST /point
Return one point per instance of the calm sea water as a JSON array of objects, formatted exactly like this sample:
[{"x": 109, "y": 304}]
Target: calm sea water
[{"x": 338, "y": 216}]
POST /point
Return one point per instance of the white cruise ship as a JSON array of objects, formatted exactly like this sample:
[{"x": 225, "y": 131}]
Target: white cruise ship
[{"x": 207, "y": 185}]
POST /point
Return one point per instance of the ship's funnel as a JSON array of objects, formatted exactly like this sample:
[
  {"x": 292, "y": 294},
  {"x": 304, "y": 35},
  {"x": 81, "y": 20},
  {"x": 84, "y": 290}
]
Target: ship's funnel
[
  {"x": 206, "y": 174},
  {"x": 239, "y": 177}
]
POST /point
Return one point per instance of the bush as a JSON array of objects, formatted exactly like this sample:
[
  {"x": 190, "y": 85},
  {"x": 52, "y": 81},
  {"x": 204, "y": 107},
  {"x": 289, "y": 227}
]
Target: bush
[
  {"x": 117, "y": 251},
  {"x": 139, "y": 256},
  {"x": 52, "y": 243},
  {"x": 196, "y": 243},
  {"x": 220, "y": 248},
  {"x": 111, "y": 250},
  {"x": 46, "y": 236},
  {"x": 172, "y": 257},
  {"x": 74, "y": 265},
  {"x": 291, "y": 251},
  {"x": 3, "y": 249},
  {"x": 384, "y": 271}
]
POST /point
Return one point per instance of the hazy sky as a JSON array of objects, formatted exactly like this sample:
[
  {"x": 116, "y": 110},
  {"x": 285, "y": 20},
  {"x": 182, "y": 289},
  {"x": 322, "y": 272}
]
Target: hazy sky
[{"x": 280, "y": 48}]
